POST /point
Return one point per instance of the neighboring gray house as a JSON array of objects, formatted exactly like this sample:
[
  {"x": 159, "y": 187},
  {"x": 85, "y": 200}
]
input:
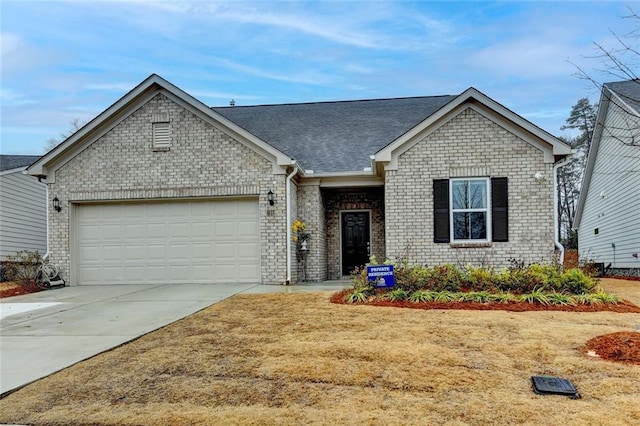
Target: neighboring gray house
[
  {"x": 608, "y": 214},
  {"x": 23, "y": 210},
  {"x": 160, "y": 188}
]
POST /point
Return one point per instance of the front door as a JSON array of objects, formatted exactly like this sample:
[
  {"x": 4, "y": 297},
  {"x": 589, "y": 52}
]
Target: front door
[{"x": 355, "y": 240}]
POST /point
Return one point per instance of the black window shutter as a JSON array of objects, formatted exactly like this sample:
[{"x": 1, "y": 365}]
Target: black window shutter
[
  {"x": 500, "y": 209},
  {"x": 441, "y": 211}
]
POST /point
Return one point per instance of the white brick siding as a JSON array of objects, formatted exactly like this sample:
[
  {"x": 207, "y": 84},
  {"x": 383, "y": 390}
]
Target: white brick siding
[
  {"x": 468, "y": 144},
  {"x": 203, "y": 162}
]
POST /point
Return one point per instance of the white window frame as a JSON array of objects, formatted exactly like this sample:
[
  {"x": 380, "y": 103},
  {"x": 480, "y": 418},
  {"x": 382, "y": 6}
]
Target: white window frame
[{"x": 486, "y": 210}]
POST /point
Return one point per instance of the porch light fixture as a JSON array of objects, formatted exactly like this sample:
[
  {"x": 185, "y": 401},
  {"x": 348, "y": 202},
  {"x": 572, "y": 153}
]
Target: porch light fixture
[
  {"x": 56, "y": 205},
  {"x": 270, "y": 197}
]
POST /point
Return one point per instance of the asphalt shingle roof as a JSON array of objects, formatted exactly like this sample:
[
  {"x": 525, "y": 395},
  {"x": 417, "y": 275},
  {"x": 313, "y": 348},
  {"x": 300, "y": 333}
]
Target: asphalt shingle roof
[
  {"x": 8, "y": 162},
  {"x": 628, "y": 90},
  {"x": 334, "y": 136}
]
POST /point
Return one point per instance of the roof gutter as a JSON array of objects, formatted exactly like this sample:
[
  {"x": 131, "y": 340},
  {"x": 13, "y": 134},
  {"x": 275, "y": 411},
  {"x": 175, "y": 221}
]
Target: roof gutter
[
  {"x": 556, "y": 219},
  {"x": 288, "y": 245}
]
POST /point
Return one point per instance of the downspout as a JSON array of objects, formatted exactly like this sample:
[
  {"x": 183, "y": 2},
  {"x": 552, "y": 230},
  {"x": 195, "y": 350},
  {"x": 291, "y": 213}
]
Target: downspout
[
  {"x": 556, "y": 219},
  {"x": 46, "y": 255},
  {"x": 288, "y": 245},
  {"x": 46, "y": 195}
]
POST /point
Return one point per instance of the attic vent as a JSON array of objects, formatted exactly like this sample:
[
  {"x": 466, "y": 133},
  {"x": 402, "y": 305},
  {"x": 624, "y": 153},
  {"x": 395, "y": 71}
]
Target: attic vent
[{"x": 161, "y": 132}]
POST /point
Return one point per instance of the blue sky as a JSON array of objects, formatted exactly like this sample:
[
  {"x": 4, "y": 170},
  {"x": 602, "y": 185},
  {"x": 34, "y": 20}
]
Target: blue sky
[{"x": 66, "y": 60}]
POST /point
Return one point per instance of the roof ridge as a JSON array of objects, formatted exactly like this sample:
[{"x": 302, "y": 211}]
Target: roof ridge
[{"x": 333, "y": 102}]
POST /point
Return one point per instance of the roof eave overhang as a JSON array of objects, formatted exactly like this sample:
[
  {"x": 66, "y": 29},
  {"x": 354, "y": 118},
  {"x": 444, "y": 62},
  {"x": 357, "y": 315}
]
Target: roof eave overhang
[
  {"x": 342, "y": 179},
  {"x": 553, "y": 148},
  {"x": 14, "y": 170},
  {"x": 45, "y": 167}
]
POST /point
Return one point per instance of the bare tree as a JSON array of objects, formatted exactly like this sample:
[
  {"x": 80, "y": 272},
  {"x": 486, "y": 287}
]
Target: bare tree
[
  {"x": 620, "y": 63},
  {"x": 75, "y": 124}
]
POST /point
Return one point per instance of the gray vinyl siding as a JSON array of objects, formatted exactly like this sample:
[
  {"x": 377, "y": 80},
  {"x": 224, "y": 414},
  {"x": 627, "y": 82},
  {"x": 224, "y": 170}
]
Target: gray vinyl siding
[
  {"x": 613, "y": 200},
  {"x": 23, "y": 215}
]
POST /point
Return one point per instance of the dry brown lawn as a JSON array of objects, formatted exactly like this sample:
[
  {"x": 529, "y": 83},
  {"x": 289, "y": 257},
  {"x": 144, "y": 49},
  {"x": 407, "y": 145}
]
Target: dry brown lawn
[{"x": 297, "y": 359}]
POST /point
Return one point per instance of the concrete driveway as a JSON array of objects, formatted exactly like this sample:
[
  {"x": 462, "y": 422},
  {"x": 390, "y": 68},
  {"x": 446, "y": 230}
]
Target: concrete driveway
[{"x": 41, "y": 333}]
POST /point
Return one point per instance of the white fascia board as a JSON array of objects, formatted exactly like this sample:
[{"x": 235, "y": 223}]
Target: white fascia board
[
  {"x": 603, "y": 109},
  {"x": 12, "y": 171},
  {"x": 343, "y": 180}
]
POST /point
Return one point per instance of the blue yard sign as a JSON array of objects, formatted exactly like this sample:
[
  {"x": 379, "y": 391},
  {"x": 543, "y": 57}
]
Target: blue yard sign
[{"x": 382, "y": 275}]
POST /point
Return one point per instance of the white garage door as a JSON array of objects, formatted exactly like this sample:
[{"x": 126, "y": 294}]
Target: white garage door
[{"x": 168, "y": 242}]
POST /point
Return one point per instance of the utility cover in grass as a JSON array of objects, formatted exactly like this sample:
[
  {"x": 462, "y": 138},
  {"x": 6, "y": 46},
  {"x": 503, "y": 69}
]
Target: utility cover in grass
[{"x": 548, "y": 385}]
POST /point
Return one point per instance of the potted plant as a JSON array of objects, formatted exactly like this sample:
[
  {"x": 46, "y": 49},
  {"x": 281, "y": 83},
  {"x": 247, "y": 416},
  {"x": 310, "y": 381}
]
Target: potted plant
[{"x": 300, "y": 234}]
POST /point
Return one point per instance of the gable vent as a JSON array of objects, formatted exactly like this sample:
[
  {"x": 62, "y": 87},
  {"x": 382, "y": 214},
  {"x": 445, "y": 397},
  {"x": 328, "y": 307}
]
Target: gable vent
[{"x": 161, "y": 132}]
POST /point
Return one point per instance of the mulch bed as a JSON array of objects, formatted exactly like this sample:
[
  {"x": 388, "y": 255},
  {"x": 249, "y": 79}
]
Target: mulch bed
[
  {"x": 18, "y": 290},
  {"x": 623, "y": 346},
  {"x": 623, "y": 307}
]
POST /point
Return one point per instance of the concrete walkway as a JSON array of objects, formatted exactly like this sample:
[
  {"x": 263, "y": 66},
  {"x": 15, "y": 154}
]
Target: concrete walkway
[{"x": 41, "y": 333}]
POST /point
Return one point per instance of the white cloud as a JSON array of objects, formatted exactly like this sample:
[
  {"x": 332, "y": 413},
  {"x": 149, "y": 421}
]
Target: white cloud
[
  {"x": 111, "y": 87},
  {"x": 18, "y": 56},
  {"x": 10, "y": 97},
  {"x": 527, "y": 56}
]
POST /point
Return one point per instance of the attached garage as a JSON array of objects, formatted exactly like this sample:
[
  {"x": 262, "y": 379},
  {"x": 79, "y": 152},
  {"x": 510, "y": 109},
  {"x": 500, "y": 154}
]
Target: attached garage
[{"x": 189, "y": 241}]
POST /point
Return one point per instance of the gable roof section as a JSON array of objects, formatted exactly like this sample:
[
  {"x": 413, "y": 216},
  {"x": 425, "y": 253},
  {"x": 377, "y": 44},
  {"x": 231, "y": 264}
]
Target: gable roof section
[
  {"x": 10, "y": 162},
  {"x": 471, "y": 97},
  {"x": 122, "y": 108},
  {"x": 334, "y": 137},
  {"x": 330, "y": 138},
  {"x": 627, "y": 91},
  {"x": 626, "y": 95}
]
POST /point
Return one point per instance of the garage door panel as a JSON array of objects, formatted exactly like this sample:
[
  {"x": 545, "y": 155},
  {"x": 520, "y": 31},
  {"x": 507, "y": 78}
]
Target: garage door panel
[
  {"x": 247, "y": 251},
  {"x": 248, "y": 273},
  {"x": 188, "y": 241},
  {"x": 247, "y": 228},
  {"x": 135, "y": 251},
  {"x": 156, "y": 252},
  {"x": 134, "y": 230},
  {"x": 203, "y": 273},
  {"x": 202, "y": 229},
  {"x": 225, "y": 251}
]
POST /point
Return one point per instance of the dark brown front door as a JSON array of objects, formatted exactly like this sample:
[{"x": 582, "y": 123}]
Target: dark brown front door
[{"x": 355, "y": 240}]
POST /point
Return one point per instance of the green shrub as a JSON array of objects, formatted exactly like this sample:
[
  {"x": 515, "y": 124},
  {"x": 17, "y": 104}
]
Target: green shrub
[
  {"x": 444, "y": 296},
  {"x": 476, "y": 296},
  {"x": 605, "y": 297},
  {"x": 357, "y": 296},
  {"x": 561, "y": 299},
  {"x": 412, "y": 278},
  {"x": 446, "y": 278},
  {"x": 419, "y": 296},
  {"x": 397, "y": 294},
  {"x": 535, "y": 296},
  {"x": 480, "y": 279},
  {"x": 575, "y": 281},
  {"x": 544, "y": 276},
  {"x": 503, "y": 297}
]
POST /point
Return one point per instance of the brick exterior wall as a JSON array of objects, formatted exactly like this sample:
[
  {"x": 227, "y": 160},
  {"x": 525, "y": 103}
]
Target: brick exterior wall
[
  {"x": 202, "y": 161},
  {"x": 357, "y": 199},
  {"x": 311, "y": 211},
  {"x": 469, "y": 145}
]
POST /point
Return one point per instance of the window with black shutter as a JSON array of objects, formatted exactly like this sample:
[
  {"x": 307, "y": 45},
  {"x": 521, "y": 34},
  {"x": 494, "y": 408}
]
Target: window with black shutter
[
  {"x": 441, "y": 210},
  {"x": 471, "y": 209},
  {"x": 500, "y": 209}
]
